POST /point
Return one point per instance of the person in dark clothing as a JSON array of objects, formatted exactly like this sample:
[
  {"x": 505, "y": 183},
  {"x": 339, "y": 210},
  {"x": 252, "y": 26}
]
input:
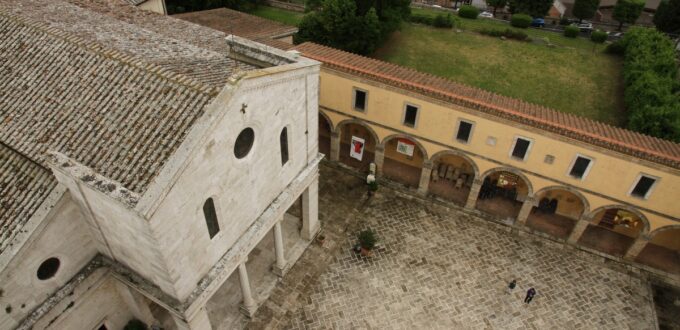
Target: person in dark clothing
[
  {"x": 530, "y": 295},
  {"x": 511, "y": 286}
]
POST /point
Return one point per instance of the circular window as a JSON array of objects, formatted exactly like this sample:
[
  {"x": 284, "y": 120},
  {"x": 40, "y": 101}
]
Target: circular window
[
  {"x": 48, "y": 268},
  {"x": 244, "y": 142}
]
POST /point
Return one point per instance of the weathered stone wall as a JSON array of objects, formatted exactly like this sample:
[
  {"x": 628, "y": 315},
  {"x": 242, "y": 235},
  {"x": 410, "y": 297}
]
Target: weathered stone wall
[
  {"x": 266, "y": 101},
  {"x": 63, "y": 235}
]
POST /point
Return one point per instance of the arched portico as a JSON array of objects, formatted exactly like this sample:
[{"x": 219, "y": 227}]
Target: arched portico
[
  {"x": 503, "y": 191},
  {"x": 452, "y": 176},
  {"x": 613, "y": 229},
  {"x": 357, "y": 143},
  {"x": 556, "y": 210},
  {"x": 404, "y": 158},
  {"x": 663, "y": 249},
  {"x": 325, "y": 133}
]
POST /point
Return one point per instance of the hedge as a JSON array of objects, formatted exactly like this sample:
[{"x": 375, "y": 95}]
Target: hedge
[
  {"x": 598, "y": 36},
  {"x": 571, "y": 31},
  {"x": 520, "y": 20},
  {"x": 440, "y": 21},
  {"x": 467, "y": 11},
  {"x": 508, "y": 33},
  {"x": 651, "y": 87}
]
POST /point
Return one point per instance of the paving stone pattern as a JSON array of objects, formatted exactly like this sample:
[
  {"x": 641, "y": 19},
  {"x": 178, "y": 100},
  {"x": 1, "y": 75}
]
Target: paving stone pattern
[{"x": 444, "y": 270}]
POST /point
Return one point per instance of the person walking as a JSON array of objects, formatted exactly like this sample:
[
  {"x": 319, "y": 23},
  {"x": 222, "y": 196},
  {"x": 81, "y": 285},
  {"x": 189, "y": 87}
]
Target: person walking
[
  {"x": 530, "y": 295},
  {"x": 511, "y": 286}
]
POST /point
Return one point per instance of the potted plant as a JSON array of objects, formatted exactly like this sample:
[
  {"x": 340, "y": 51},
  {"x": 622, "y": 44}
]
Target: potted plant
[
  {"x": 367, "y": 240},
  {"x": 372, "y": 187},
  {"x": 321, "y": 239}
]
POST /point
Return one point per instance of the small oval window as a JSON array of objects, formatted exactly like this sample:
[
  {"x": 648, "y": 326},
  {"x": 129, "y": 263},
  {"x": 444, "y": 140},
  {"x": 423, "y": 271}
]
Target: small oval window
[
  {"x": 48, "y": 268},
  {"x": 244, "y": 142}
]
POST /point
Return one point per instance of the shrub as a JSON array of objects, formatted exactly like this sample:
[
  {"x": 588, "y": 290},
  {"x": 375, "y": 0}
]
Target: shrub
[
  {"x": 442, "y": 21},
  {"x": 571, "y": 31},
  {"x": 367, "y": 239},
  {"x": 520, "y": 20},
  {"x": 135, "y": 324},
  {"x": 467, "y": 11},
  {"x": 421, "y": 19},
  {"x": 508, "y": 33},
  {"x": 564, "y": 21},
  {"x": 598, "y": 36},
  {"x": 615, "y": 48}
]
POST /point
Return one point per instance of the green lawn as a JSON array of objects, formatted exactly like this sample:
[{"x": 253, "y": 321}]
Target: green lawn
[
  {"x": 279, "y": 15},
  {"x": 570, "y": 77}
]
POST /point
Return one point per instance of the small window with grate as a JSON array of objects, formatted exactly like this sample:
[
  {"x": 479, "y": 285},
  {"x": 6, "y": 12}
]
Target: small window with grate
[
  {"x": 211, "y": 217},
  {"x": 520, "y": 148},
  {"x": 580, "y": 167},
  {"x": 643, "y": 187},
  {"x": 360, "y": 97},
  {"x": 283, "y": 141},
  {"x": 464, "y": 131},
  {"x": 410, "y": 115}
]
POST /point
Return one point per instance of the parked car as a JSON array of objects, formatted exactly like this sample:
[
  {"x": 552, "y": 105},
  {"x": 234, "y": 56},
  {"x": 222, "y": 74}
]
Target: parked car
[
  {"x": 538, "y": 22},
  {"x": 585, "y": 27},
  {"x": 436, "y": 6},
  {"x": 486, "y": 14}
]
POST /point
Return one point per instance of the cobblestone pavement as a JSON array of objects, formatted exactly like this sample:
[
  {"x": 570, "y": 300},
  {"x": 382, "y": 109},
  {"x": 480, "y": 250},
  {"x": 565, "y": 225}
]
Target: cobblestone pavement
[{"x": 443, "y": 269}]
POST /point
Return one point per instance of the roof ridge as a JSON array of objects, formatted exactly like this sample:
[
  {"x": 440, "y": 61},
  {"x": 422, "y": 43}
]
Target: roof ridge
[
  {"x": 568, "y": 130},
  {"x": 114, "y": 54}
]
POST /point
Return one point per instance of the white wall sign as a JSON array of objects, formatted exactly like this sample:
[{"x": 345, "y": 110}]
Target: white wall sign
[
  {"x": 405, "y": 147},
  {"x": 356, "y": 149}
]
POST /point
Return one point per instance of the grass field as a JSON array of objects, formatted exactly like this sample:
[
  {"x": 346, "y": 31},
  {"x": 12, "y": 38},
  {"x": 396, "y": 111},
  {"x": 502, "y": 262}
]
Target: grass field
[
  {"x": 279, "y": 15},
  {"x": 571, "y": 77}
]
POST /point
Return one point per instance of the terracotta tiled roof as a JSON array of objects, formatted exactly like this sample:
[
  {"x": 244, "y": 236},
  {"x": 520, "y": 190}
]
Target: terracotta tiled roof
[
  {"x": 111, "y": 112},
  {"x": 238, "y": 23},
  {"x": 24, "y": 185},
  {"x": 572, "y": 126}
]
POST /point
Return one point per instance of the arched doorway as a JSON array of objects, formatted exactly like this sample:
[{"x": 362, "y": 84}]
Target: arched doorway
[
  {"x": 365, "y": 141},
  {"x": 503, "y": 192},
  {"x": 613, "y": 229},
  {"x": 557, "y": 211},
  {"x": 663, "y": 250},
  {"x": 452, "y": 176},
  {"x": 404, "y": 158},
  {"x": 324, "y": 135}
]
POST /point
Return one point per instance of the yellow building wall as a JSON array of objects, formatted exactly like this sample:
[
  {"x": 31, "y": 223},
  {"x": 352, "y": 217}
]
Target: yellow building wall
[{"x": 611, "y": 174}]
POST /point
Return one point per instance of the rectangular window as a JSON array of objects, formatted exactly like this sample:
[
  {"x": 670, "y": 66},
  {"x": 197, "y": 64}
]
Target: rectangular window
[
  {"x": 521, "y": 148},
  {"x": 359, "y": 99},
  {"x": 410, "y": 115},
  {"x": 464, "y": 131},
  {"x": 283, "y": 140},
  {"x": 643, "y": 186},
  {"x": 580, "y": 167}
]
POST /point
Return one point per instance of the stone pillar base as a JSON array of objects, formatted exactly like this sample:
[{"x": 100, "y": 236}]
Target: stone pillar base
[
  {"x": 248, "y": 311},
  {"x": 280, "y": 272}
]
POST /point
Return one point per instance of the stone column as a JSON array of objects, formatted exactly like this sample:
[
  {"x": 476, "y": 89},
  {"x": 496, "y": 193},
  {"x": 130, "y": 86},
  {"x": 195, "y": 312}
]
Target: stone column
[
  {"x": 579, "y": 228},
  {"x": 425, "y": 174},
  {"x": 198, "y": 321},
  {"x": 637, "y": 247},
  {"x": 379, "y": 159},
  {"x": 335, "y": 146},
  {"x": 248, "y": 306},
  {"x": 310, "y": 210},
  {"x": 524, "y": 212},
  {"x": 281, "y": 265},
  {"x": 474, "y": 193}
]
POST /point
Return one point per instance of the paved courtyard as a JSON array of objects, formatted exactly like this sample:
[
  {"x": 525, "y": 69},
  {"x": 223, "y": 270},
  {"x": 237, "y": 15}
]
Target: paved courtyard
[{"x": 443, "y": 269}]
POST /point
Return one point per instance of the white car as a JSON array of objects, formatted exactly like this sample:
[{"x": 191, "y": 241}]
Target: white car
[
  {"x": 486, "y": 14},
  {"x": 436, "y": 6}
]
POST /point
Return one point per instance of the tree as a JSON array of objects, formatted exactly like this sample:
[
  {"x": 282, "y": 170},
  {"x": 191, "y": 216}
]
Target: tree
[
  {"x": 667, "y": 16},
  {"x": 339, "y": 26},
  {"x": 535, "y": 8},
  {"x": 585, "y": 9},
  {"x": 497, "y": 4},
  {"x": 627, "y": 11}
]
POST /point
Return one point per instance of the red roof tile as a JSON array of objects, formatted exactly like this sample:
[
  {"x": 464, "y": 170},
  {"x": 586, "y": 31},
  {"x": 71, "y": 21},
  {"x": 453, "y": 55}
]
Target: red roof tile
[{"x": 569, "y": 125}]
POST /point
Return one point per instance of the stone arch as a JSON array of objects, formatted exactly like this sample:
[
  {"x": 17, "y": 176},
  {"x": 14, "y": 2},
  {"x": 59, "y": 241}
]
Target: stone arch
[
  {"x": 328, "y": 120},
  {"x": 368, "y": 127},
  {"x": 530, "y": 187},
  {"x": 456, "y": 153},
  {"x": 643, "y": 218},
  {"x": 662, "y": 229},
  {"x": 584, "y": 200},
  {"x": 406, "y": 136}
]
